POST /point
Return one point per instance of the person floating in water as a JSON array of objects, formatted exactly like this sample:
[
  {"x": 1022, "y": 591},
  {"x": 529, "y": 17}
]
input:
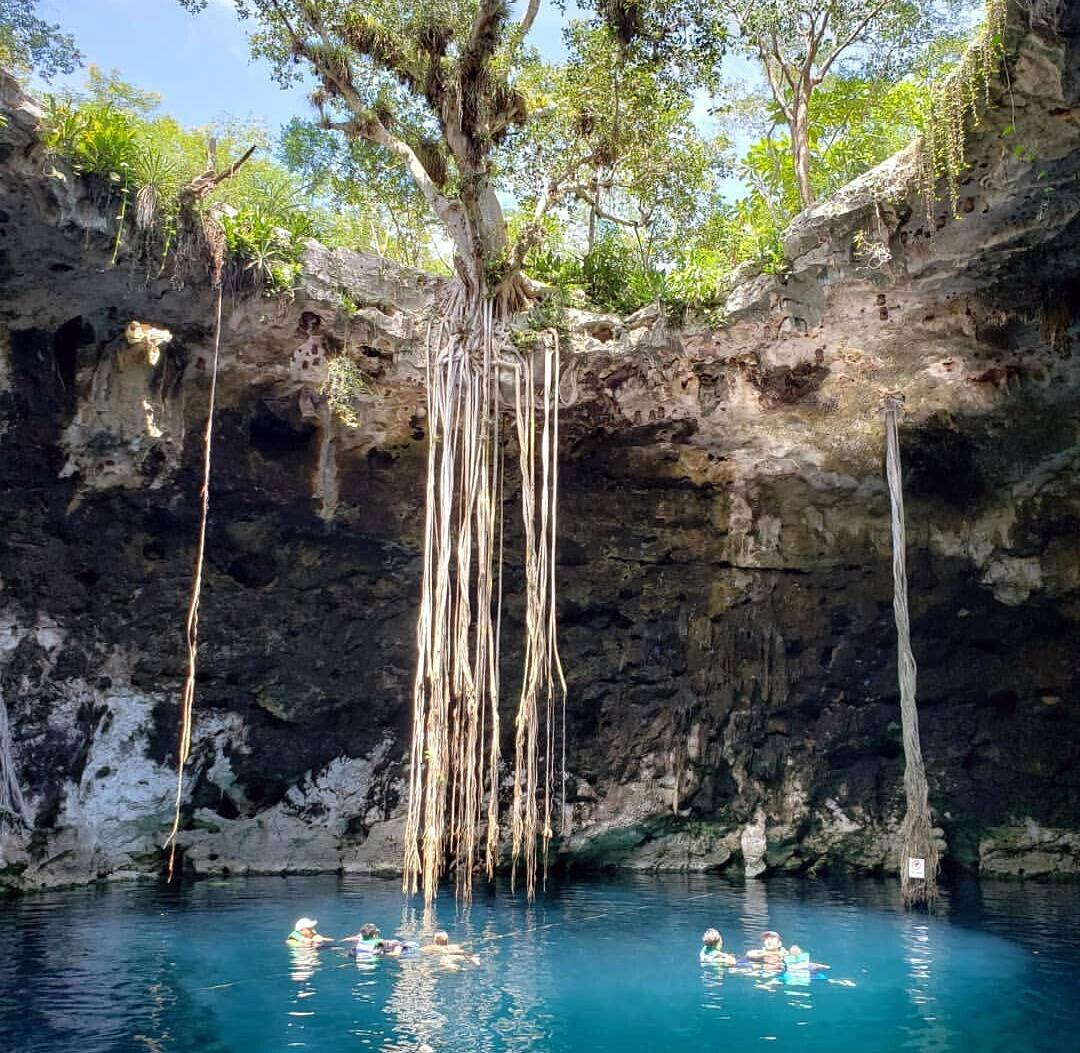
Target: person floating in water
[
  {"x": 771, "y": 952},
  {"x": 798, "y": 961},
  {"x": 712, "y": 949},
  {"x": 304, "y": 934},
  {"x": 370, "y": 941},
  {"x": 440, "y": 944}
]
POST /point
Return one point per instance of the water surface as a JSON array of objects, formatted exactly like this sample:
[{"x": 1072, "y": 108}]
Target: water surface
[{"x": 591, "y": 966}]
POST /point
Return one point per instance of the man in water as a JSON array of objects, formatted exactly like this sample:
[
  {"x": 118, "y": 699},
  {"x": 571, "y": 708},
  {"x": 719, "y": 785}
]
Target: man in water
[
  {"x": 304, "y": 934},
  {"x": 712, "y": 950},
  {"x": 440, "y": 944}
]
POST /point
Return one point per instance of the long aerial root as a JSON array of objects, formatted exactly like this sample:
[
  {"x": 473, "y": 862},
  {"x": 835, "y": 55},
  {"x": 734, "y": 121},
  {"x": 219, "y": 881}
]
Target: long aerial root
[
  {"x": 187, "y": 702},
  {"x": 13, "y": 810},
  {"x": 455, "y": 756},
  {"x": 917, "y": 838}
]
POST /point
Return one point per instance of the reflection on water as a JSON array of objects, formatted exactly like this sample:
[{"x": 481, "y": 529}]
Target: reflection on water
[
  {"x": 931, "y": 1034},
  {"x": 602, "y": 967}
]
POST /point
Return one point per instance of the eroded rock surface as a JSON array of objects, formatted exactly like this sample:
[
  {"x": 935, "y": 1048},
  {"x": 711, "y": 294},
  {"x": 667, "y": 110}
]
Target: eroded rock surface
[{"x": 725, "y": 608}]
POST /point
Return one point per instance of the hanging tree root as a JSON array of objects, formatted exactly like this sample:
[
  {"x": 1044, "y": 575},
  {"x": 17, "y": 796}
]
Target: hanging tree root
[
  {"x": 13, "y": 811},
  {"x": 455, "y": 755},
  {"x": 215, "y": 239},
  {"x": 917, "y": 832}
]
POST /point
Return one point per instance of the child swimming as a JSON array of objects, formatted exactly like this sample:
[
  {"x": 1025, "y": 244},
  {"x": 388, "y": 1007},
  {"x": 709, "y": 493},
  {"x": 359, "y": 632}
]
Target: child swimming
[
  {"x": 798, "y": 961},
  {"x": 712, "y": 950}
]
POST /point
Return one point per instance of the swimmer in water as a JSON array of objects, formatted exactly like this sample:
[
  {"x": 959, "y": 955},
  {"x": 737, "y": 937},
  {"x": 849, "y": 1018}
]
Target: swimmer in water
[
  {"x": 370, "y": 941},
  {"x": 712, "y": 949},
  {"x": 797, "y": 960},
  {"x": 771, "y": 951},
  {"x": 440, "y": 944},
  {"x": 304, "y": 934}
]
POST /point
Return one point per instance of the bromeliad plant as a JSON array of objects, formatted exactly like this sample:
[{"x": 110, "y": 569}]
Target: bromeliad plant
[{"x": 141, "y": 165}]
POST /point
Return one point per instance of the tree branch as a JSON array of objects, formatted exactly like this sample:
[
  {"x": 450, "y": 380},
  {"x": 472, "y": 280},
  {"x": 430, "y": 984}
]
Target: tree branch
[
  {"x": 367, "y": 126},
  {"x": 850, "y": 39},
  {"x": 582, "y": 192},
  {"x": 210, "y": 180},
  {"x": 528, "y": 18}
]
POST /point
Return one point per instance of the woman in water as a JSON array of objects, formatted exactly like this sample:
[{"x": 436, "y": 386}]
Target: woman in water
[{"x": 712, "y": 949}]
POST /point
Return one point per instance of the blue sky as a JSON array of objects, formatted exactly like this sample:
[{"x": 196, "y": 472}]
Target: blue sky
[{"x": 201, "y": 64}]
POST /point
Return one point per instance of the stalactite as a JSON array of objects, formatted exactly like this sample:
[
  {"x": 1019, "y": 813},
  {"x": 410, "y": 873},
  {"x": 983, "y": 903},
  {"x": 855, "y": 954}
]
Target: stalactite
[{"x": 917, "y": 835}]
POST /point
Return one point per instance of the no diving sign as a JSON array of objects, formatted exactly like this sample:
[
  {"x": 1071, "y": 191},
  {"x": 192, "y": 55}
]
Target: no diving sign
[{"x": 916, "y": 868}]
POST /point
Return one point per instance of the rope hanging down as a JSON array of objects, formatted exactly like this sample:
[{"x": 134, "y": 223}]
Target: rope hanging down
[{"x": 917, "y": 835}]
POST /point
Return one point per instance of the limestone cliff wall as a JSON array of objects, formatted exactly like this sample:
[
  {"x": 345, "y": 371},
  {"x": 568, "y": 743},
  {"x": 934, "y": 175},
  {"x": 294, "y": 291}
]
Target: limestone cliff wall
[{"x": 725, "y": 587}]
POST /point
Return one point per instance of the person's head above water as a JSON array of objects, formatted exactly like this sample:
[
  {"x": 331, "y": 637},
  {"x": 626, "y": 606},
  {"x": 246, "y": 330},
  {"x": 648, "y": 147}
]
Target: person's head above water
[
  {"x": 771, "y": 941},
  {"x": 369, "y": 931},
  {"x": 712, "y": 938},
  {"x": 305, "y": 926},
  {"x": 441, "y": 938}
]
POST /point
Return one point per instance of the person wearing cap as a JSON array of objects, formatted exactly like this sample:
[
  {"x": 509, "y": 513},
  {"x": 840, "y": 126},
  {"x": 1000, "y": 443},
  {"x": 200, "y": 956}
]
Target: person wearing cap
[{"x": 304, "y": 934}]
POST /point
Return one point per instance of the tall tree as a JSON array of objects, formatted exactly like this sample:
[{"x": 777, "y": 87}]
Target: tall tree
[
  {"x": 434, "y": 85},
  {"x": 431, "y": 84},
  {"x": 799, "y": 43}
]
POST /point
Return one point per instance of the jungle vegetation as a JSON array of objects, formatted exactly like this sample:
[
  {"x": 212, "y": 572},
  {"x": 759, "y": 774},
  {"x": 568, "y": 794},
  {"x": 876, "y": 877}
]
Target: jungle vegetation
[{"x": 664, "y": 170}]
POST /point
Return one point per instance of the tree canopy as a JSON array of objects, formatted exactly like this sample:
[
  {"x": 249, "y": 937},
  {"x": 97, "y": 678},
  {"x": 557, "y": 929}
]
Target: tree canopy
[
  {"x": 599, "y": 172},
  {"x": 29, "y": 43}
]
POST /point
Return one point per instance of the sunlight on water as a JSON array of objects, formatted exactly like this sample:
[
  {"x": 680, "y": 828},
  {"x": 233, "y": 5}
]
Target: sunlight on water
[{"x": 600, "y": 966}]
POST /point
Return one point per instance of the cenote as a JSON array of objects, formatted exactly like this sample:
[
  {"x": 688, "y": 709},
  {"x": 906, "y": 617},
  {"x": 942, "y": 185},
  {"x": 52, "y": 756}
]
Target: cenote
[
  {"x": 604, "y": 965},
  {"x": 626, "y": 449}
]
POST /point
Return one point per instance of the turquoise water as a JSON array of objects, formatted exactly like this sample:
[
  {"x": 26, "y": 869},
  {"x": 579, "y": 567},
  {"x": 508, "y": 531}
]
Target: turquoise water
[{"x": 592, "y": 966}]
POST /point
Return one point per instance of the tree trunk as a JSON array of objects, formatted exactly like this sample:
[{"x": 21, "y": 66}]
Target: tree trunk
[
  {"x": 485, "y": 240},
  {"x": 800, "y": 146},
  {"x": 593, "y": 208}
]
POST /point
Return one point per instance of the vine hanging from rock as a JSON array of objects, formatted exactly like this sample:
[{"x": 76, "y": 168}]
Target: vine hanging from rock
[{"x": 956, "y": 105}]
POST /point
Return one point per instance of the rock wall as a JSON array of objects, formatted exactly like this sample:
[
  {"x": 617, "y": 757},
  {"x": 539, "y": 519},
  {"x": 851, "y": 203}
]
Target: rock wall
[{"x": 725, "y": 603}]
